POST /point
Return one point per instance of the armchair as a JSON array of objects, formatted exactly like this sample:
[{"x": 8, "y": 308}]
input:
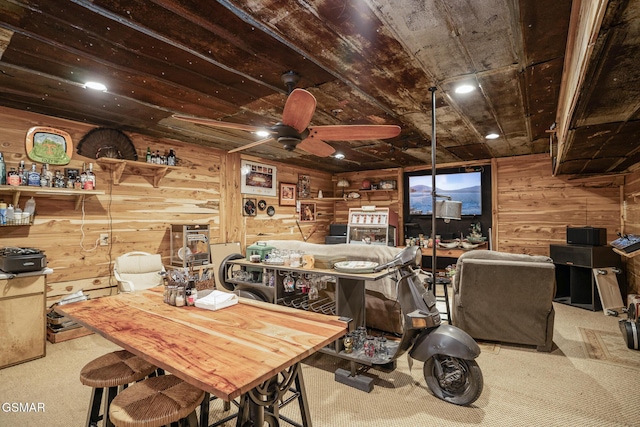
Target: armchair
[
  {"x": 505, "y": 297},
  {"x": 137, "y": 270}
]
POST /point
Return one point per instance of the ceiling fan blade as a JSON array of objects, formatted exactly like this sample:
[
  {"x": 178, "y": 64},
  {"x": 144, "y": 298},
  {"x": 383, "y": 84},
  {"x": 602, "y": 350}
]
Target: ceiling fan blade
[
  {"x": 218, "y": 124},
  {"x": 299, "y": 109},
  {"x": 316, "y": 147},
  {"x": 251, "y": 144},
  {"x": 353, "y": 132}
]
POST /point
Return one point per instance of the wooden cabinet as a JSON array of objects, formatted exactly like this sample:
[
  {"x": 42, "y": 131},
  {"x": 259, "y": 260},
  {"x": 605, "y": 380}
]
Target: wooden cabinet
[
  {"x": 22, "y": 318},
  {"x": 575, "y": 281}
]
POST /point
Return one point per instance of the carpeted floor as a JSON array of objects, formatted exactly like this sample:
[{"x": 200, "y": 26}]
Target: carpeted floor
[{"x": 574, "y": 385}]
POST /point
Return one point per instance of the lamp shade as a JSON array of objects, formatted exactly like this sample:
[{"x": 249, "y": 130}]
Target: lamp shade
[
  {"x": 448, "y": 209},
  {"x": 342, "y": 183}
]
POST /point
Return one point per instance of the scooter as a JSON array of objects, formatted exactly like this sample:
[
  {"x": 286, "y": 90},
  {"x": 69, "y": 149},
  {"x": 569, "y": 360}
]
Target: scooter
[{"x": 448, "y": 353}]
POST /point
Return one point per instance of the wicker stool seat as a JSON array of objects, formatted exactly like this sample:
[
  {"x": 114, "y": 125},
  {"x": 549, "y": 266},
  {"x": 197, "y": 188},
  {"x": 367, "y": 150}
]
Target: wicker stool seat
[
  {"x": 155, "y": 402},
  {"x": 110, "y": 371}
]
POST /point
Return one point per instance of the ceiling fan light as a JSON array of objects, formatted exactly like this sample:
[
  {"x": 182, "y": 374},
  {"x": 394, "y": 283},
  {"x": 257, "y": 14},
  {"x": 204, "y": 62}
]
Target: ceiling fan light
[
  {"x": 339, "y": 156},
  {"x": 263, "y": 133},
  {"x": 464, "y": 89},
  {"x": 492, "y": 136},
  {"x": 95, "y": 86}
]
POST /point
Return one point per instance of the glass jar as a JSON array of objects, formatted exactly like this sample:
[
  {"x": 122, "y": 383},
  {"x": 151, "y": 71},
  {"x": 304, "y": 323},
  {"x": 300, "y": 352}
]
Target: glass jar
[{"x": 369, "y": 346}]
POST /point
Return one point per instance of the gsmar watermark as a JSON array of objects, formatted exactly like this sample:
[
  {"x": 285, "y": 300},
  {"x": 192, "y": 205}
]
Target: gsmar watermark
[{"x": 23, "y": 407}]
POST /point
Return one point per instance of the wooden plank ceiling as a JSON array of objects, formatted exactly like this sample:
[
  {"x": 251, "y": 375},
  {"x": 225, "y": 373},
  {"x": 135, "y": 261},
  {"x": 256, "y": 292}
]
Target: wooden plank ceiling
[{"x": 366, "y": 62}]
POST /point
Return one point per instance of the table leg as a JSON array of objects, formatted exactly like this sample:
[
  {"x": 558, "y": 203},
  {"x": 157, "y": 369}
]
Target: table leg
[{"x": 260, "y": 404}]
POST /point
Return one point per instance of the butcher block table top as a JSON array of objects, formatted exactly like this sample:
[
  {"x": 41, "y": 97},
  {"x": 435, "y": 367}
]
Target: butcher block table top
[{"x": 226, "y": 352}]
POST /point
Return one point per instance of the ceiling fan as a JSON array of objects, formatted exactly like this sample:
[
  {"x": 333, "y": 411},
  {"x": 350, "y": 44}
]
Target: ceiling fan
[{"x": 294, "y": 130}]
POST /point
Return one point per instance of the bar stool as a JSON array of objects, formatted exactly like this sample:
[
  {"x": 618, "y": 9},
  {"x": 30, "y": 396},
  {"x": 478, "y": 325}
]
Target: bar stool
[
  {"x": 110, "y": 372},
  {"x": 157, "y": 401}
]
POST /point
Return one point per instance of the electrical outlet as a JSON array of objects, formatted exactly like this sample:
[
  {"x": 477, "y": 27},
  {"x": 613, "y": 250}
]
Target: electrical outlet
[{"x": 104, "y": 239}]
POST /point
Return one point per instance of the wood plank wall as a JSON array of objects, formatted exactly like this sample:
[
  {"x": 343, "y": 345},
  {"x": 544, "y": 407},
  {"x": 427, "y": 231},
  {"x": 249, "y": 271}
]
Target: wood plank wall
[
  {"x": 533, "y": 208},
  {"x": 631, "y": 217},
  {"x": 136, "y": 215}
]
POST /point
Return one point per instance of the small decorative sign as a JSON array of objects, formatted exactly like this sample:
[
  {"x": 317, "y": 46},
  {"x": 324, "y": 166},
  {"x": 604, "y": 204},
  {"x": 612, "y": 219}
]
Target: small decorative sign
[{"x": 49, "y": 145}]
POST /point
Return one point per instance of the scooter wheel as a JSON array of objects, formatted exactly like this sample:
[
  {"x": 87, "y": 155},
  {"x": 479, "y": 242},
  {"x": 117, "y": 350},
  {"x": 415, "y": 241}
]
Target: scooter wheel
[{"x": 460, "y": 382}]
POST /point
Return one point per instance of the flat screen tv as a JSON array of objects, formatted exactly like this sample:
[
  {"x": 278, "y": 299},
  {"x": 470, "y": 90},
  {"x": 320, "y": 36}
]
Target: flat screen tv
[{"x": 465, "y": 187}]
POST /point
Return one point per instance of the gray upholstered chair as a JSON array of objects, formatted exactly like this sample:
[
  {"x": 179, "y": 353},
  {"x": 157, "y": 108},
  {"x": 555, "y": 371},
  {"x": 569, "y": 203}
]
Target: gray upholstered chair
[{"x": 505, "y": 297}]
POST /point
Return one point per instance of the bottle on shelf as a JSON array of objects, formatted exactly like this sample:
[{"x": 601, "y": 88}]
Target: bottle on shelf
[
  {"x": 13, "y": 177},
  {"x": 34, "y": 177},
  {"x": 90, "y": 179},
  {"x": 3, "y": 171},
  {"x": 10, "y": 214},
  {"x": 46, "y": 177},
  {"x": 171, "y": 158},
  {"x": 3, "y": 213},
  {"x": 30, "y": 208},
  {"x": 83, "y": 175},
  {"x": 24, "y": 174},
  {"x": 148, "y": 155}
]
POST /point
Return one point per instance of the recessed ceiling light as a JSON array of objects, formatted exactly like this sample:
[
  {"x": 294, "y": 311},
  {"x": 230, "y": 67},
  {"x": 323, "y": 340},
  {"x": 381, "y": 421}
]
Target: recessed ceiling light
[
  {"x": 263, "y": 133},
  {"x": 95, "y": 86},
  {"x": 339, "y": 156},
  {"x": 492, "y": 136},
  {"x": 465, "y": 89}
]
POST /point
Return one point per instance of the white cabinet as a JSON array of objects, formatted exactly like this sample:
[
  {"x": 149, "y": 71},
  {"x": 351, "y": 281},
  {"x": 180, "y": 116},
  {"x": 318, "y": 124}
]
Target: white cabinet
[{"x": 371, "y": 225}]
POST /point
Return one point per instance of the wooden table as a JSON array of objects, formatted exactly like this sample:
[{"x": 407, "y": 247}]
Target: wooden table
[{"x": 229, "y": 353}]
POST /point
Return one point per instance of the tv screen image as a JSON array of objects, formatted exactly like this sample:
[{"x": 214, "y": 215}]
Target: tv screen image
[{"x": 463, "y": 187}]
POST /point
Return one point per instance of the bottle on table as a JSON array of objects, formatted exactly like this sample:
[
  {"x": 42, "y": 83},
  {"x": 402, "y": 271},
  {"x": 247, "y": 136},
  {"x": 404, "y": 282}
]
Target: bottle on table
[{"x": 148, "y": 155}]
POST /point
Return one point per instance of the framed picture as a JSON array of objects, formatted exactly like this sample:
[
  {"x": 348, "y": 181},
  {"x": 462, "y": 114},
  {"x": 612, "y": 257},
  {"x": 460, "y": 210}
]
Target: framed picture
[
  {"x": 49, "y": 145},
  {"x": 307, "y": 212},
  {"x": 287, "y": 194},
  {"x": 259, "y": 179},
  {"x": 304, "y": 186},
  {"x": 249, "y": 207}
]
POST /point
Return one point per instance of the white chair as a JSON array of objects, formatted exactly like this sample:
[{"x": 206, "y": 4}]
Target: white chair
[{"x": 137, "y": 270}]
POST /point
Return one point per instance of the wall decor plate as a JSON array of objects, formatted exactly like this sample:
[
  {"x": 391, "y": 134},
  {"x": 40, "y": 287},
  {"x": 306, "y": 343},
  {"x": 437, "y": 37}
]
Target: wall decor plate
[
  {"x": 262, "y": 205},
  {"x": 271, "y": 211},
  {"x": 49, "y": 145},
  {"x": 249, "y": 207}
]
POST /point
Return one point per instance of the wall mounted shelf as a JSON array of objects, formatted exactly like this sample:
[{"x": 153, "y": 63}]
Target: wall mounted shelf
[
  {"x": 17, "y": 191},
  {"x": 118, "y": 166}
]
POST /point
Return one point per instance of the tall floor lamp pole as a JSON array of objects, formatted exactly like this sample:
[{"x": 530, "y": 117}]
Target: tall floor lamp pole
[
  {"x": 434, "y": 244},
  {"x": 433, "y": 186}
]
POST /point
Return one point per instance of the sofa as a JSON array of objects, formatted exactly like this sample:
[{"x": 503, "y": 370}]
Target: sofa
[
  {"x": 505, "y": 297},
  {"x": 382, "y": 310}
]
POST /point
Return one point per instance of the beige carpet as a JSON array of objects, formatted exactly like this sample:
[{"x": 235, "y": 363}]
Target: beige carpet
[
  {"x": 608, "y": 347},
  {"x": 521, "y": 386}
]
